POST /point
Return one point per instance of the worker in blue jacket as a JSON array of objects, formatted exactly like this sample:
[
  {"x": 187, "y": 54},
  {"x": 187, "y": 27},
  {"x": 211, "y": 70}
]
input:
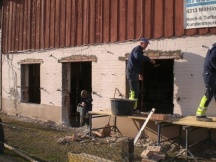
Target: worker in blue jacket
[
  {"x": 209, "y": 76},
  {"x": 134, "y": 65}
]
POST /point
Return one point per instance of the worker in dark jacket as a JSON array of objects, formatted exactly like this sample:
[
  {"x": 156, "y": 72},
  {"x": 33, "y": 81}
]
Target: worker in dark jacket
[
  {"x": 86, "y": 102},
  {"x": 134, "y": 65},
  {"x": 209, "y": 76}
]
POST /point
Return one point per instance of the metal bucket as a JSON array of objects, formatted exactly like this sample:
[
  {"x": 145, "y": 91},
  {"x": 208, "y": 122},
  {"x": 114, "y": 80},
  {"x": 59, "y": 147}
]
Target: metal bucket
[{"x": 122, "y": 107}]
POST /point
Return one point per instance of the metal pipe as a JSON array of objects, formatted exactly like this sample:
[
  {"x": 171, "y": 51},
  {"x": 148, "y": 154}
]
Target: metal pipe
[
  {"x": 204, "y": 46},
  {"x": 1, "y": 59}
]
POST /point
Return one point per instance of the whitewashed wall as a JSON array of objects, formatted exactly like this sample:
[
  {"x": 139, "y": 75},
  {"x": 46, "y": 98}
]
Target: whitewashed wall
[{"x": 108, "y": 73}]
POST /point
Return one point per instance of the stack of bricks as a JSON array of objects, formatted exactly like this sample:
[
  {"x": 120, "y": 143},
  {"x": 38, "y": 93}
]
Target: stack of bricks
[
  {"x": 152, "y": 154},
  {"x": 157, "y": 117},
  {"x": 160, "y": 117}
]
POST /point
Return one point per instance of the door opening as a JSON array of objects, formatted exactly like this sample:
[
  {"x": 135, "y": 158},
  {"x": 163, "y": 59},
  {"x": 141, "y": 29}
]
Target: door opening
[
  {"x": 156, "y": 89},
  {"x": 80, "y": 80}
]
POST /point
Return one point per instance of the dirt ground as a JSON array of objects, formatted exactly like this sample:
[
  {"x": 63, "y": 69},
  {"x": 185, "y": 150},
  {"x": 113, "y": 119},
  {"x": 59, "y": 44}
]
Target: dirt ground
[
  {"x": 203, "y": 153},
  {"x": 4, "y": 158}
]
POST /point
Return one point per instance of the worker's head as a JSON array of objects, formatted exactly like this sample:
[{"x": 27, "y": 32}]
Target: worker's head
[
  {"x": 84, "y": 93},
  {"x": 144, "y": 43}
]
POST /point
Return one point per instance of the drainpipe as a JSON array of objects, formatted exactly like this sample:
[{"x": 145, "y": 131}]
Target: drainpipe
[{"x": 1, "y": 59}]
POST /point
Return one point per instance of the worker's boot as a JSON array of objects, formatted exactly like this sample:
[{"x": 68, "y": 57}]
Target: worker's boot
[
  {"x": 136, "y": 110},
  {"x": 201, "y": 111},
  {"x": 204, "y": 118},
  {"x": 132, "y": 97}
]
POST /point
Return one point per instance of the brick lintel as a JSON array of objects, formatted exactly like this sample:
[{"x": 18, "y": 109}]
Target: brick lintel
[
  {"x": 78, "y": 58},
  {"x": 31, "y": 61}
]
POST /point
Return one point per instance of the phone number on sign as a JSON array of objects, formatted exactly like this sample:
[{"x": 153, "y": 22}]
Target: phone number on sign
[{"x": 201, "y": 9}]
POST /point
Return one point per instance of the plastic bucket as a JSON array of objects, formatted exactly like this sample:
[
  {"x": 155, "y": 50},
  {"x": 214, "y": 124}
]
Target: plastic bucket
[{"x": 123, "y": 107}]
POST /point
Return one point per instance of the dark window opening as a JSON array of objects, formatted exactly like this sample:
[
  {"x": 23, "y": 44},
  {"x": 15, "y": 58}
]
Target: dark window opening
[{"x": 30, "y": 83}]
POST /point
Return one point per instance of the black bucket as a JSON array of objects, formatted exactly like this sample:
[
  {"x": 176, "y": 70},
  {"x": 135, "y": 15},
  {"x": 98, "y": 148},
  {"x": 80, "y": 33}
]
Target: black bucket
[{"x": 122, "y": 107}]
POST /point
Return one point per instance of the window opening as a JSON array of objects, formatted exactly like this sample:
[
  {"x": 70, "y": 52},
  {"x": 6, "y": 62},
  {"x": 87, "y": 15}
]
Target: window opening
[{"x": 30, "y": 83}]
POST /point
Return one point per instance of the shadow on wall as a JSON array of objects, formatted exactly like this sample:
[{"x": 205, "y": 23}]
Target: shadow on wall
[{"x": 189, "y": 85}]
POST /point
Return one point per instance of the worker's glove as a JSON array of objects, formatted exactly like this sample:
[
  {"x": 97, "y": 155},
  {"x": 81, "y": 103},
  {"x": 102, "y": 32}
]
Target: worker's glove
[{"x": 152, "y": 61}]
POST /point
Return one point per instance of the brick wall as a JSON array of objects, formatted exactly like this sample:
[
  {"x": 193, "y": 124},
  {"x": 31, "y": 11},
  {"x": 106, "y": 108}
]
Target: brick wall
[{"x": 108, "y": 73}]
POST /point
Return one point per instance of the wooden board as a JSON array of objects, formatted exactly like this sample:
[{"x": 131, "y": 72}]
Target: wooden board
[
  {"x": 191, "y": 121},
  {"x": 110, "y": 113},
  {"x": 72, "y": 157},
  {"x": 100, "y": 113}
]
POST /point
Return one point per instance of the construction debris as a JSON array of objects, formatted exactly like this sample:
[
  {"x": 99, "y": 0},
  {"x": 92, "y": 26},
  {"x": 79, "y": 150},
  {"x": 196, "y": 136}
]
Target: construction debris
[
  {"x": 153, "y": 154},
  {"x": 106, "y": 131},
  {"x": 97, "y": 133},
  {"x": 68, "y": 139}
]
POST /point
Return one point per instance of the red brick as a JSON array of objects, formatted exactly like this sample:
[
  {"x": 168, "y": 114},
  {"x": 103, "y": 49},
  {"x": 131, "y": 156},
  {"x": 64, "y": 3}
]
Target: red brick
[
  {"x": 146, "y": 154},
  {"x": 154, "y": 148}
]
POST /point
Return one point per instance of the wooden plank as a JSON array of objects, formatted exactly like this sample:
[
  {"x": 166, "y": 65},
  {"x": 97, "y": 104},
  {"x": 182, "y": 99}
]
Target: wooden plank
[
  {"x": 98, "y": 18},
  {"x": 106, "y": 21},
  {"x": 147, "y": 19},
  {"x": 68, "y": 23},
  {"x": 85, "y": 21},
  {"x": 4, "y": 28},
  {"x": 25, "y": 18},
  {"x": 113, "y": 21},
  {"x": 21, "y": 9},
  {"x": 28, "y": 30},
  {"x": 158, "y": 18},
  {"x": 130, "y": 19},
  {"x": 143, "y": 126},
  {"x": 42, "y": 25},
  {"x": 33, "y": 23},
  {"x": 102, "y": 112},
  {"x": 142, "y": 17},
  {"x": 168, "y": 18},
  {"x": 5, "y": 42},
  {"x": 10, "y": 18},
  {"x": 190, "y": 32},
  {"x": 72, "y": 157},
  {"x": 191, "y": 121},
  {"x": 57, "y": 24},
  {"x": 122, "y": 20},
  {"x": 52, "y": 23},
  {"x": 203, "y": 31},
  {"x": 13, "y": 28},
  {"x": 79, "y": 33},
  {"x": 19, "y": 153},
  {"x": 62, "y": 24},
  {"x": 212, "y": 30},
  {"x": 138, "y": 18},
  {"x": 92, "y": 22},
  {"x": 74, "y": 23},
  {"x": 179, "y": 18},
  {"x": 17, "y": 21},
  {"x": 37, "y": 24},
  {"x": 47, "y": 24}
]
